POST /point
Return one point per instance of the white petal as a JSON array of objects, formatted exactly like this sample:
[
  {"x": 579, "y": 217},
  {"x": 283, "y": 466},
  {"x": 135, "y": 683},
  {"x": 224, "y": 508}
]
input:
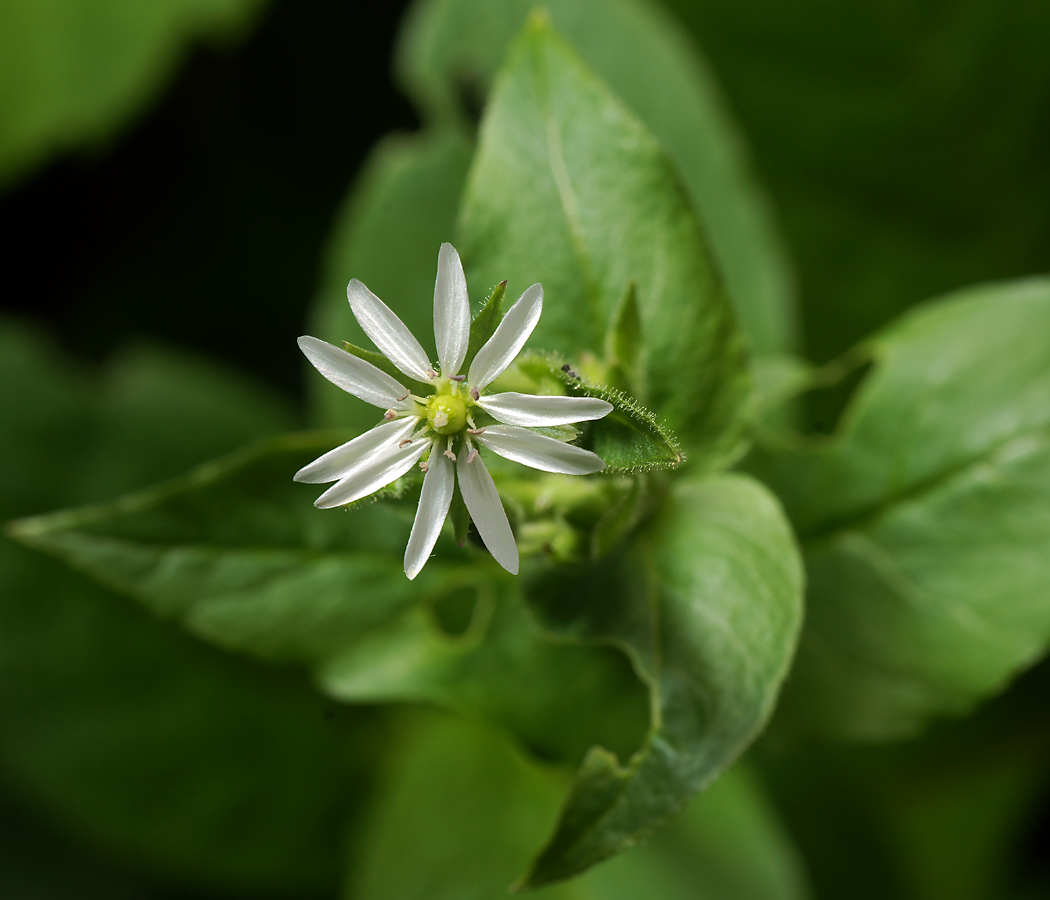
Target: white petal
[
  {"x": 337, "y": 463},
  {"x": 434, "y": 502},
  {"x": 510, "y": 336},
  {"x": 451, "y": 311},
  {"x": 535, "y": 411},
  {"x": 376, "y": 472},
  {"x": 354, "y": 375},
  {"x": 388, "y": 332},
  {"x": 486, "y": 511},
  {"x": 539, "y": 451}
]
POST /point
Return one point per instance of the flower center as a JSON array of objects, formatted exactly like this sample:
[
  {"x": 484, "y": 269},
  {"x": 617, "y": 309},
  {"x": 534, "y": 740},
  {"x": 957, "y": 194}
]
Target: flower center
[{"x": 446, "y": 413}]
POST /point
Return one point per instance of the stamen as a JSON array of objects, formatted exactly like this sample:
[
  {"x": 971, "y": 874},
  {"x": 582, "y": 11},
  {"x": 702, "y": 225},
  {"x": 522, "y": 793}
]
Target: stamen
[
  {"x": 390, "y": 415},
  {"x": 475, "y": 395},
  {"x": 424, "y": 466},
  {"x": 473, "y": 454},
  {"x": 407, "y": 395},
  {"x": 404, "y": 443},
  {"x": 448, "y": 450},
  {"x": 431, "y": 373},
  {"x": 475, "y": 430},
  {"x": 457, "y": 377},
  {"x": 470, "y": 421}
]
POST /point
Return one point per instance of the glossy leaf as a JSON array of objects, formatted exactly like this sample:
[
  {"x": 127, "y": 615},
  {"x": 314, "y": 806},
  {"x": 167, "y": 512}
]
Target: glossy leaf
[
  {"x": 708, "y": 603},
  {"x": 924, "y": 519},
  {"x": 589, "y": 163},
  {"x": 73, "y": 71},
  {"x": 448, "y": 58}
]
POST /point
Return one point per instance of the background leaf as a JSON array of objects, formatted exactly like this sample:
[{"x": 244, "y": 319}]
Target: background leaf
[
  {"x": 708, "y": 604},
  {"x": 924, "y": 519},
  {"x": 588, "y": 163},
  {"x": 142, "y": 747},
  {"x": 448, "y": 57},
  {"x": 73, "y": 71}
]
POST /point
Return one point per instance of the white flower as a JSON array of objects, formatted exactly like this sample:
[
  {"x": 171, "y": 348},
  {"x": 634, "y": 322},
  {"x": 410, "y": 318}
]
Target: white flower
[{"x": 438, "y": 430}]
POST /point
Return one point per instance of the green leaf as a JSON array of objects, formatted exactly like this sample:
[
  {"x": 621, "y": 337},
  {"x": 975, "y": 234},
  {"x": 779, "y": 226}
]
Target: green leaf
[
  {"x": 72, "y": 72},
  {"x": 924, "y": 519},
  {"x": 387, "y": 235},
  {"x": 630, "y": 439},
  {"x": 708, "y": 604},
  {"x": 448, "y": 57},
  {"x": 103, "y": 705},
  {"x": 460, "y": 809},
  {"x": 236, "y": 553},
  {"x": 587, "y": 162}
]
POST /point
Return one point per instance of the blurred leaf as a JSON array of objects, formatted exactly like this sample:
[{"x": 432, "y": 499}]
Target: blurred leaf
[
  {"x": 74, "y": 71},
  {"x": 460, "y": 810},
  {"x": 601, "y": 208},
  {"x": 924, "y": 519},
  {"x": 388, "y": 235},
  {"x": 870, "y": 122},
  {"x": 708, "y": 604},
  {"x": 237, "y": 554},
  {"x": 448, "y": 57},
  {"x": 630, "y": 439},
  {"x": 939, "y": 818},
  {"x": 159, "y": 751}
]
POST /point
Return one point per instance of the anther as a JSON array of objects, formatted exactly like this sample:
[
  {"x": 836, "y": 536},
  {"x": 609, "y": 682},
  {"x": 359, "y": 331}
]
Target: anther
[
  {"x": 475, "y": 394},
  {"x": 407, "y": 395},
  {"x": 473, "y": 455},
  {"x": 431, "y": 373},
  {"x": 404, "y": 443},
  {"x": 448, "y": 450},
  {"x": 390, "y": 415},
  {"x": 457, "y": 377},
  {"x": 423, "y": 465},
  {"x": 475, "y": 431}
]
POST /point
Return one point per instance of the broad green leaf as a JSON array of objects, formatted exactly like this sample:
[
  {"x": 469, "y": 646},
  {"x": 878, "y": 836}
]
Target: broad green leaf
[
  {"x": 236, "y": 553},
  {"x": 74, "y": 71},
  {"x": 460, "y": 809},
  {"x": 924, "y": 519},
  {"x": 708, "y": 604},
  {"x": 388, "y": 235},
  {"x": 450, "y": 52},
  {"x": 102, "y": 706},
  {"x": 570, "y": 189},
  {"x": 630, "y": 439}
]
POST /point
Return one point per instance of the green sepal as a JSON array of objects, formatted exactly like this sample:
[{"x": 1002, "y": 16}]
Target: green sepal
[
  {"x": 624, "y": 348},
  {"x": 631, "y": 439},
  {"x": 485, "y": 322}
]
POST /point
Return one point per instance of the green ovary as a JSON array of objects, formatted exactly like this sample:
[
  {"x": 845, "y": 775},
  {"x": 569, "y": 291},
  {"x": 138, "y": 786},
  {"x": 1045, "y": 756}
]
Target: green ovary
[{"x": 446, "y": 413}]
